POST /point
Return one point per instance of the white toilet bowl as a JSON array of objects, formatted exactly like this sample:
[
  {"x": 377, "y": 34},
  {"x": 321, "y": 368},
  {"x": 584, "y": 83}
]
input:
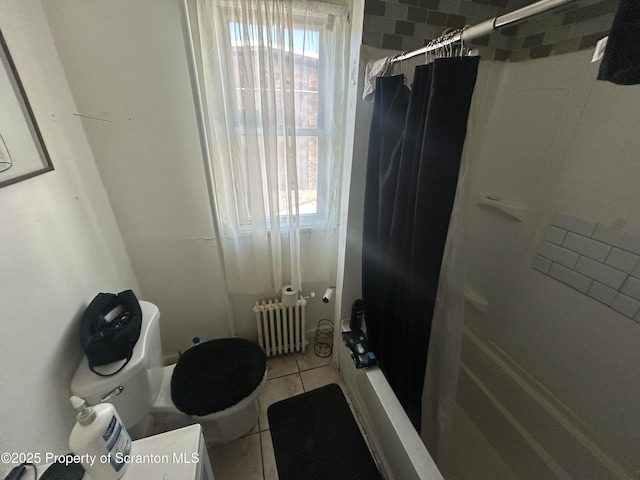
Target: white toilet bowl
[{"x": 143, "y": 388}]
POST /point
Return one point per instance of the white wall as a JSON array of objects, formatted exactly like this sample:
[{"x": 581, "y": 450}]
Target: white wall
[
  {"x": 60, "y": 246},
  {"x": 549, "y": 375},
  {"x": 127, "y": 67}
]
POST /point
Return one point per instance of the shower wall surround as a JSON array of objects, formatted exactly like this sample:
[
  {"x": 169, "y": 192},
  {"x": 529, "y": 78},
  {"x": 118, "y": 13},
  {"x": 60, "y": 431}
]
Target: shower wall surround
[{"x": 597, "y": 260}]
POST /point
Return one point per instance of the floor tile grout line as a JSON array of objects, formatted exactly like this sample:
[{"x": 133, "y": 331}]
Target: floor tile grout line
[
  {"x": 315, "y": 368},
  {"x": 299, "y": 371},
  {"x": 285, "y": 375},
  {"x": 261, "y": 454}
]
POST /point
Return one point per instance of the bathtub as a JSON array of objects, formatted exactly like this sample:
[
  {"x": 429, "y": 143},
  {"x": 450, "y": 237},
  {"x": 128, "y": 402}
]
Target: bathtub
[{"x": 395, "y": 444}]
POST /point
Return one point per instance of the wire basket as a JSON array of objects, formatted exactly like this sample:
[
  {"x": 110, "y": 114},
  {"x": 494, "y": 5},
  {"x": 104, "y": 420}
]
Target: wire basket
[{"x": 324, "y": 338}]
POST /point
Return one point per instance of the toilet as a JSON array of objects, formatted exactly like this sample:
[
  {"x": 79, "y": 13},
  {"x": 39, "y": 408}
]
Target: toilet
[{"x": 216, "y": 384}]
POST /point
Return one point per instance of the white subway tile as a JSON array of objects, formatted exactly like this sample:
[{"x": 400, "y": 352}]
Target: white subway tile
[
  {"x": 625, "y": 305},
  {"x": 631, "y": 288},
  {"x": 617, "y": 238},
  {"x": 569, "y": 277},
  {"x": 602, "y": 273},
  {"x": 558, "y": 254},
  {"x": 602, "y": 293},
  {"x": 622, "y": 260},
  {"x": 541, "y": 264},
  {"x": 555, "y": 235},
  {"x": 574, "y": 224},
  {"x": 586, "y": 246}
]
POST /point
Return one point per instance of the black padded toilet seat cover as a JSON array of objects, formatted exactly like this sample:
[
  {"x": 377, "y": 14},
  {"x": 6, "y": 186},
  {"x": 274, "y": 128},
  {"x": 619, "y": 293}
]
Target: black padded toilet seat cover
[{"x": 216, "y": 375}]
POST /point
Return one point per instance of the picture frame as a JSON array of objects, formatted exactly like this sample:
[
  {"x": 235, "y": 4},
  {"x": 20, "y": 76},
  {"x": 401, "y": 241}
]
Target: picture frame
[{"x": 23, "y": 153}]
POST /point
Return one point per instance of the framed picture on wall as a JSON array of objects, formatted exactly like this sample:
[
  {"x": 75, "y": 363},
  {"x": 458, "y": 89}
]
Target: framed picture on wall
[{"x": 22, "y": 151}]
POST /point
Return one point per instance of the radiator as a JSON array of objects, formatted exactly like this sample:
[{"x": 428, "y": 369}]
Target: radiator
[{"x": 281, "y": 329}]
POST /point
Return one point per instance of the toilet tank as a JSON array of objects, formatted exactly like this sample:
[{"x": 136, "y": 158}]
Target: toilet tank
[{"x": 133, "y": 390}]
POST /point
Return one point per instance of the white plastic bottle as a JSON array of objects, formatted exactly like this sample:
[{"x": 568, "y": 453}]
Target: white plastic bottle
[{"x": 101, "y": 440}]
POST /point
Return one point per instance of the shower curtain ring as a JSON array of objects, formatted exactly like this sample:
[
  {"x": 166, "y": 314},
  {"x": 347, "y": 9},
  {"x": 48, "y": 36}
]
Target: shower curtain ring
[
  {"x": 462, "y": 40},
  {"x": 402, "y": 59}
]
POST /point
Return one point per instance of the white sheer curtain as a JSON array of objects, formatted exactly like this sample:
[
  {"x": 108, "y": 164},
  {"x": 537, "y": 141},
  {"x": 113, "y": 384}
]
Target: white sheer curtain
[{"x": 274, "y": 75}]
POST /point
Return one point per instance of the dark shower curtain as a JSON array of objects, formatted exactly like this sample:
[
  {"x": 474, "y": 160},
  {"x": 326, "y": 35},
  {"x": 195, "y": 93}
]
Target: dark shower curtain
[{"x": 415, "y": 147}]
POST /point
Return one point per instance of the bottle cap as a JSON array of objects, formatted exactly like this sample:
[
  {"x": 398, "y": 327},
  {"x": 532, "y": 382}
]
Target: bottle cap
[{"x": 86, "y": 414}]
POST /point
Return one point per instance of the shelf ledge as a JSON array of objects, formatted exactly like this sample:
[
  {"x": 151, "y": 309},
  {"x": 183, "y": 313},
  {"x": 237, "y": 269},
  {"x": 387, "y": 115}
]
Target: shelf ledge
[
  {"x": 476, "y": 300},
  {"x": 513, "y": 212}
]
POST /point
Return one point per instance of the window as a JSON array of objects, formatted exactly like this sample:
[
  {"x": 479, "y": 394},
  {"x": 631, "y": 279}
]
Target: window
[
  {"x": 251, "y": 68},
  {"x": 273, "y": 78}
]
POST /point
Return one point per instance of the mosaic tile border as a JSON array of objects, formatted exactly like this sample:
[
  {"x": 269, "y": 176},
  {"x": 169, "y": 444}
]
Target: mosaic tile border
[{"x": 407, "y": 25}]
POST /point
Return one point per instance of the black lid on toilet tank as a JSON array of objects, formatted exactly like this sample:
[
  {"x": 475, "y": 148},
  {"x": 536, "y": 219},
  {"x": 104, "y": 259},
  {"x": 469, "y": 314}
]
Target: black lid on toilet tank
[{"x": 216, "y": 375}]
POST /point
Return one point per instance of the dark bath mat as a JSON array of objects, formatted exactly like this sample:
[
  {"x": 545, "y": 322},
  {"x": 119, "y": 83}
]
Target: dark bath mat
[{"x": 315, "y": 437}]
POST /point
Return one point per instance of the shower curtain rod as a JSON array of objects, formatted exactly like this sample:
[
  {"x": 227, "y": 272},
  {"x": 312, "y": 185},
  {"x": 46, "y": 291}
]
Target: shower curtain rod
[{"x": 485, "y": 28}]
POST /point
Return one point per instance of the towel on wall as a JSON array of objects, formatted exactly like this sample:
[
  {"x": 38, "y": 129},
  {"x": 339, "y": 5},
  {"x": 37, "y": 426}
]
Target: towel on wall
[
  {"x": 621, "y": 61},
  {"x": 374, "y": 69}
]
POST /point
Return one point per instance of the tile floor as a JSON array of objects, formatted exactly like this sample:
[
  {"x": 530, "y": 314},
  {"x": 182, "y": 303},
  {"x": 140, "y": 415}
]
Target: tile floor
[{"x": 251, "y": 457}]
